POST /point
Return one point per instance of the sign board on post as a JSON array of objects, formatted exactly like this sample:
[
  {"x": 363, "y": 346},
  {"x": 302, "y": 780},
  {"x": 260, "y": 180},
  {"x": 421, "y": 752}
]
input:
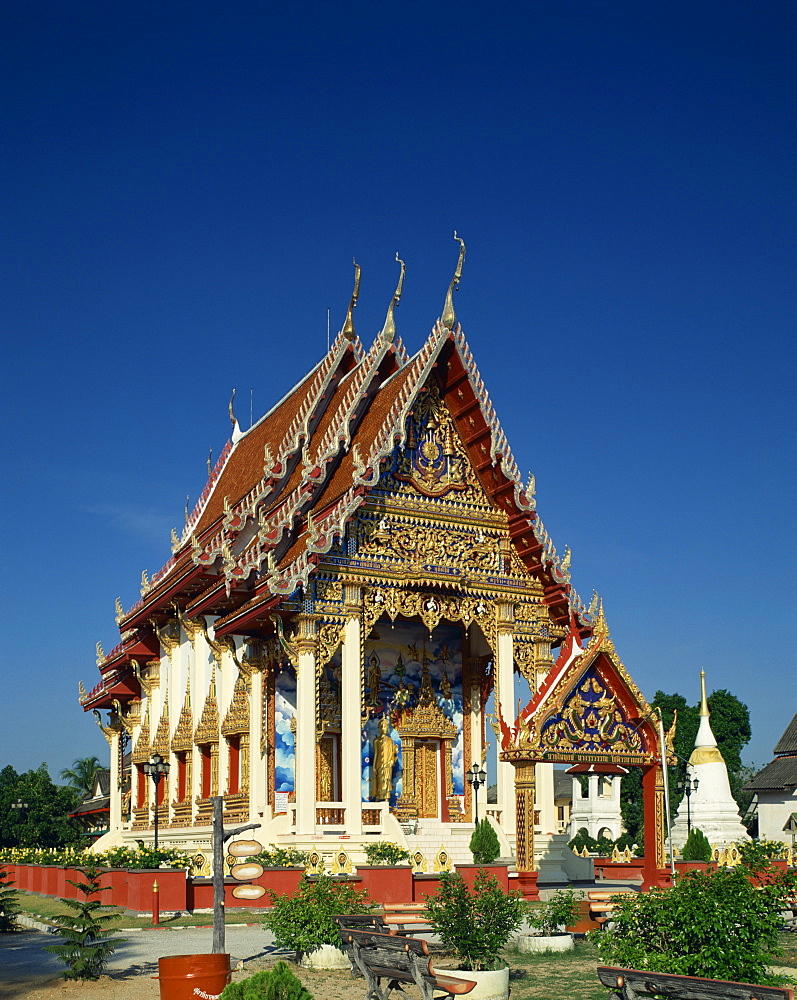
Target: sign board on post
[{"x": 245, "y": 871}]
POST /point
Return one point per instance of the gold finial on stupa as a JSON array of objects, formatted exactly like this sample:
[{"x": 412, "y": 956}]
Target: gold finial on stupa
[
  {"x": 389, "y": 329},
  {"x": 449, "y": 316},
  {"x": 703, "y": 699},
  {"x": 348, "y": 326}
]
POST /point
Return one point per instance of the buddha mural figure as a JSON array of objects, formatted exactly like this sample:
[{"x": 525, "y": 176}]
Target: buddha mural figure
[{"x": 385, "y": 754}]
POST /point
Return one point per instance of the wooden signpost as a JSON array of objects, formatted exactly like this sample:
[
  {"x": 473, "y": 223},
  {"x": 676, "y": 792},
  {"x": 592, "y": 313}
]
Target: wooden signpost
[{"x": 242, "y": 870}]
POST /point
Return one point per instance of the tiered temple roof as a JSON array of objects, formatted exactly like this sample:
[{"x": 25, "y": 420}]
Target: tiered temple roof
[{"x": 283, "y": 492}]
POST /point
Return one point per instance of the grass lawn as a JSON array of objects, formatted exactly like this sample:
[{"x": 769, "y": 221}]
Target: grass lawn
[{"x": 46, "y": 907}]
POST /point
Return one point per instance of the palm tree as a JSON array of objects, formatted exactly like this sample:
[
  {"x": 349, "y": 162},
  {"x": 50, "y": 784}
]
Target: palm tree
[{"x": 81, "y": 774}]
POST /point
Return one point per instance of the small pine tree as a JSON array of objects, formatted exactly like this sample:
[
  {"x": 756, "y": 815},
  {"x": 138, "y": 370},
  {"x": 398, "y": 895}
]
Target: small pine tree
[
  {"x": 86, "y": 942},
  {"x": 484, "y": 845},
  {"x": 280, "y": 983},
  {"x": 9, "y": 905},
  {"x": 697, "y": 847}
]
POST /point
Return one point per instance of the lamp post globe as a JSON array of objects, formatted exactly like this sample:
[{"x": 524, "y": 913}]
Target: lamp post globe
[{"x": 157, "y": 768}]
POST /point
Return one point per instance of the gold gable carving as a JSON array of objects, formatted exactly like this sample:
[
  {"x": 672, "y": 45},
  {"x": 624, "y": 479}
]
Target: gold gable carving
[
  {"x": 161, "y": 742},
  {"x": 236, "y": 720},
  {"x": 183, "y": 735},
  {"x": 208, "y": 729}
]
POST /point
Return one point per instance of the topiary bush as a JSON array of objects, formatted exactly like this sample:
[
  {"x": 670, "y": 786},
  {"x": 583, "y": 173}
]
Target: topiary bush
[
  {"x": 386, "y": 853},
  {"x": 9, "y": 905},
  {"x": 697, "y": 847},
  {"x": 279, "y": 983},
  {"x": 304, "y": 921},
  {"x": 713, "y": 924},
  {"x": 484, "y": 844},
  {"x": 87, "y": 943}
]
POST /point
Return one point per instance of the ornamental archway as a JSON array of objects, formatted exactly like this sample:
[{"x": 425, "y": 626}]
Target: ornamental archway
[{"x": 588, "y": 710}]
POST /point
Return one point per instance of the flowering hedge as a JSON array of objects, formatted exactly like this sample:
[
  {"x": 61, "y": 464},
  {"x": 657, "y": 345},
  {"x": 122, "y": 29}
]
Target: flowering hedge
[{"x": 116, "y": 857}]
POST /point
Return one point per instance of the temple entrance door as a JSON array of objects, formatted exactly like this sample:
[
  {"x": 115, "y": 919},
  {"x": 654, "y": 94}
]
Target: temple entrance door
[
  {"x": 427, "y": 769},
  {"x": 327, "y": 769}
]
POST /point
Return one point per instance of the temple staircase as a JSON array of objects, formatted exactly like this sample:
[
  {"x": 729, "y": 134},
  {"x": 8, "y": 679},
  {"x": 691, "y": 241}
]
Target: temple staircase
[{"x": 431, "y": 836}]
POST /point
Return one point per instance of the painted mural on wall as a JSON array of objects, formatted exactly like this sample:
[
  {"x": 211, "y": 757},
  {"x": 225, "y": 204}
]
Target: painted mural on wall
[
  {"x": 284, "y": 737},
  {"x": 394, "y": 665}
]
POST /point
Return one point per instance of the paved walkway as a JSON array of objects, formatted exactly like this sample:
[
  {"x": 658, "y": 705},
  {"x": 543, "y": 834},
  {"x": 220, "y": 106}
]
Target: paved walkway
[{"x": 23, "y": 962}]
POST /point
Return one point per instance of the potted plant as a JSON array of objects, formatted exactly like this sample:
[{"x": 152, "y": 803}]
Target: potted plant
[
  {"x": 550, "y": 920},
  {"x": 304, "y": 921},
  {"x": 476, "y": 924}
]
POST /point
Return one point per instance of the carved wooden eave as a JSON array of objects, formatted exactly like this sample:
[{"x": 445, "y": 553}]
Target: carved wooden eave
[{"x": 236, "y": 721}]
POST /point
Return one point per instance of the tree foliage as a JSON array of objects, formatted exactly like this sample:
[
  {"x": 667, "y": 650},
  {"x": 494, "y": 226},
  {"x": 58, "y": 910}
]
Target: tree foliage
[
  {"x": 43, "y": 822},
  {"x": 81, "y": 775},
  {"x": 86, "y": 943},
  {"x": 9, "y": 903}
]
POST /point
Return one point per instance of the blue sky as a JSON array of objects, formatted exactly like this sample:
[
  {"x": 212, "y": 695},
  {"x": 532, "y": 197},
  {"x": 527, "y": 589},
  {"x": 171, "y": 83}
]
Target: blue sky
[{"x": 185, "y": 186}]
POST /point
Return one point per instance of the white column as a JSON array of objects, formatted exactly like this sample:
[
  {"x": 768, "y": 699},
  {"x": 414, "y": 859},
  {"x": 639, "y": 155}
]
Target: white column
[
  {"x": 505, "y": 694},
  {"x": 305, "y": 727},
  {"x": 257, "y": 760},
  {"x": 115, "y": 790},
  {"x": 350, "y": 724}
]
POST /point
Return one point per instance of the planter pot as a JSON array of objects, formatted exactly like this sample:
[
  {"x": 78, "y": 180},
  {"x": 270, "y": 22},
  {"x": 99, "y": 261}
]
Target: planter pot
[
  {"x": 491, "y": 984},
  {"x": 540, "y": 943},
  {"x": 186, "y": 977},
  {"x": 326, "y": 957}
]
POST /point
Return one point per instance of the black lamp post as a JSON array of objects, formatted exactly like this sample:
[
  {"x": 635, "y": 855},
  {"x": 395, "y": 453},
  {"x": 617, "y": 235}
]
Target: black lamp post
[
  {"x": 476, "y": 776},
  {"x": 156, "y": 769},
  {"x": 689, "y": 785}
]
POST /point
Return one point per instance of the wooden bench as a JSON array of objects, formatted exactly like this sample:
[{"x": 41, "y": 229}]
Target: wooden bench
[
  {"x": 633, "y": 984},
  {"x": 407, "y": 917},
  {"x": 398, "y": 960},
  {"x": 601, "y": 906}
]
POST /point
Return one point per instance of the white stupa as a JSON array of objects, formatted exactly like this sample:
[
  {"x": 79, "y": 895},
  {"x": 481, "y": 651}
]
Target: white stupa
[{"x": 712, "y": 807}]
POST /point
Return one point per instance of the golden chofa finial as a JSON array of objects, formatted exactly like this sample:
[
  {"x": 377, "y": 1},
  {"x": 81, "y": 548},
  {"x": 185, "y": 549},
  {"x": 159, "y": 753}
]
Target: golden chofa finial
[
  {"x": 348, "y": 326},
  {"x": 389, "y": 329},
  {"x": 449, "y": 316}
]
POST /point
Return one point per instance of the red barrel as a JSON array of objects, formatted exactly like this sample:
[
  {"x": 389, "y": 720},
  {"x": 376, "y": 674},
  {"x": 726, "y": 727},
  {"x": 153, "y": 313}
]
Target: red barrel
[{"x": 193, "y": 977}]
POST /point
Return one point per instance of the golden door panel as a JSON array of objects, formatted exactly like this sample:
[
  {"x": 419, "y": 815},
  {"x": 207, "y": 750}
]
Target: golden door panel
[
  {"x": 427, "y": 766},
  {"x": 325, "y": 769}
]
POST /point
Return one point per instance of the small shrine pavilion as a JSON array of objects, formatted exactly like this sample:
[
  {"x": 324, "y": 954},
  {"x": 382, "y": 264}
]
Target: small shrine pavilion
[{"x": 363, "y": 572}]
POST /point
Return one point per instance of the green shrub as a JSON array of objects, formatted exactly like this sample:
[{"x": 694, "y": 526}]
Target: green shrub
[
  {"x": 281, "y": 857},
  {"x": 386, "y": 854},
  {"x": 9, "y": 905},
  {"x": 714, "y": 924},
  {"x": 86, "y": 942},
  {"x": 697, "y": 847},
  {"x": 304, "y": 921},
  {"x": 560, "y": 911},
  {"x": 475, "y": 924},
  {"x": 484, "y": 845},
  {"x": 142, "y": 857},
  {"x": 280, "y": 983},
  {"x": 755, "y": 853}
]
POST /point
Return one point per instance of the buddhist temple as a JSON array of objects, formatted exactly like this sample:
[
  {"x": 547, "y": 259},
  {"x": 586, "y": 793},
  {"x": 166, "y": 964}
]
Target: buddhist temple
[
  {"x": 710, "y": 807},
  {"x": 364, "y": 572}
]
